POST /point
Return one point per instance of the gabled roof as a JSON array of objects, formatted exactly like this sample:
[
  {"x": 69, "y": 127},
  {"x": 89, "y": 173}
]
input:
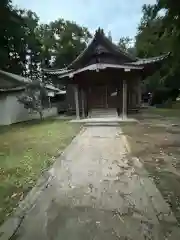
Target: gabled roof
[
  {"x": 18, "y": 83},
  {"x": 102, "y": 43},
  {"x": 100, "y": 38}
]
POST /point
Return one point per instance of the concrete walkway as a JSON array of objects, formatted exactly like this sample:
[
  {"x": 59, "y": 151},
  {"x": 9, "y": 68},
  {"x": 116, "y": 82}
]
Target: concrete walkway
[{"x": 98, "y": 192}]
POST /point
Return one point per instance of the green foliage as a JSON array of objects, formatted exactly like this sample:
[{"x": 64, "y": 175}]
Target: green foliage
[
  {"x": 159, "y": 33},
  {"x": 125, "y": 44},
  {"x": 26, "y": 46},
  {"x": 70, "y": 40},
  {"x": 10, "y": 38},
  {"x": 34, "y": 97}
]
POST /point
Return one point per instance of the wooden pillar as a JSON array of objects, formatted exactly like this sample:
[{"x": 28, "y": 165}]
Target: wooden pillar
[
  {"x": 83, "y": 103},
  {"x": 106, "y": 96},
  {"x": 76, "y": 97},
  {"x": 118, "y": 100},
  {"x": 124, "y": 108},
  {"x": 139, "y": 92}
]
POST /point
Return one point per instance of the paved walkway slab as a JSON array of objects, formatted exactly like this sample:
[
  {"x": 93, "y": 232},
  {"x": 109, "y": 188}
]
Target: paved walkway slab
[{"x": 98, "y": 192}]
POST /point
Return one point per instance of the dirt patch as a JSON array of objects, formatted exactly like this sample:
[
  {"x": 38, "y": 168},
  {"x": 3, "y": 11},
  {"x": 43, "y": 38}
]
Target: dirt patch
[{"x": 156, "y": 142}]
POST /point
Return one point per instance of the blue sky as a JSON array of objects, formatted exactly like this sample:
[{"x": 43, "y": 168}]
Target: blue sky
[{"x": 121, "y": 17}]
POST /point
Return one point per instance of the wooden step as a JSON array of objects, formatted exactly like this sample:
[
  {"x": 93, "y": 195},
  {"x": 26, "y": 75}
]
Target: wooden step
[{"x": 103, "y": 113}]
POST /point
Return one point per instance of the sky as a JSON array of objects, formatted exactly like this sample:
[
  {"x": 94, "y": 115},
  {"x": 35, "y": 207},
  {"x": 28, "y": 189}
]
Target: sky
[{"x": 120, "y": 17}]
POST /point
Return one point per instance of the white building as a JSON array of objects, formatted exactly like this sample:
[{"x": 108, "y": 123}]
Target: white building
[{"x": 11, "y": 110}]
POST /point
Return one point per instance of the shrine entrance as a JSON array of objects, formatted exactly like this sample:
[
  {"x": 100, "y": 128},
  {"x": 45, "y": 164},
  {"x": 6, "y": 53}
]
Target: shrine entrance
[
  {"x": 103, "y": 96},
  {"x": 97, "y": 97}
]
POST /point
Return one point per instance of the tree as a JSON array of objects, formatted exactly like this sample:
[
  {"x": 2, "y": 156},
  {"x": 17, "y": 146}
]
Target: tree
[
  {"x": 46, "y": 37},
  {"x": 33, "y": 46},
  {"x": 61, "y": 42},
  {"x": 19, "y": 47},
  {"x": 125, "y": 43},
  {"x": 26, "y": 46},
  {"x": 34, "y": 97},
  {"x": 11, "y": 38},
  {"x": 159, "y": 33},
  {"x": 71, "y": 39},
  {"x": 153, "y": 39}
]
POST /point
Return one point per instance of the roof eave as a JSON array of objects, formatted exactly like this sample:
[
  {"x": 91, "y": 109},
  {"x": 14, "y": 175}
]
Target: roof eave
[
  {"x": 101, "y": 66},
  {"x": 147, "y": 61}
]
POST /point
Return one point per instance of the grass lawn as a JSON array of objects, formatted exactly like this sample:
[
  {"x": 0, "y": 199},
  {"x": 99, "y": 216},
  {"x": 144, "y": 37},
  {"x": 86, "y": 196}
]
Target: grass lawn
[
  {"x": 26, "y": 150},
  {"x": 155, "y": 140},
  {"x": 165, "y": 112}
]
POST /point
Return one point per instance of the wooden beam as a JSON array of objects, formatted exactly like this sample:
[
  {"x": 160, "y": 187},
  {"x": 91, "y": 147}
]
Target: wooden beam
[{"x": 139, "y": 92}]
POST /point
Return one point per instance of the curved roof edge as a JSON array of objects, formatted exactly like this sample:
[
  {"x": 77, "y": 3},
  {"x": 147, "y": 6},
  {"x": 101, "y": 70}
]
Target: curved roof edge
[
  {"x": 144, "y": 61},
  {"x": 100, "y": 66},
  {"x": 56, "y": 71},
  {"x": 138, "y": 62},
  {"x": 18, "y": 78}
]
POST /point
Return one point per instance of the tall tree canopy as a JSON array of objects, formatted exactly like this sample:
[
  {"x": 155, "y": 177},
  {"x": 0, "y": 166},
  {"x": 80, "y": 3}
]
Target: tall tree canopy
[
  {"x": 62, "y": 41},
  {"x": 159, "y": 33},
  {"x": 126, "y": 44},
  {"x": 10, "y": 37},
  {"x": 26, "y": 46}
]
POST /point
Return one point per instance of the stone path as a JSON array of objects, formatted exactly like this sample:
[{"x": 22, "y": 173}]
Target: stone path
[{"x": 98, "y": 192}]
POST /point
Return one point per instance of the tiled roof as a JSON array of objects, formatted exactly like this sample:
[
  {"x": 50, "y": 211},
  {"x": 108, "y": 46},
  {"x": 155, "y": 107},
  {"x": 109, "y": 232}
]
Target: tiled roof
[
  {"x": 100, "y": 66},
  {"x": 101, "y": 37},
  {"x": 144, "y": 61},
  {"x": 15, "y": 77},
  {"x": 57, "y": 71},
  {"x": 138, "y": 63},
  {"x": 15, "y": 89}
]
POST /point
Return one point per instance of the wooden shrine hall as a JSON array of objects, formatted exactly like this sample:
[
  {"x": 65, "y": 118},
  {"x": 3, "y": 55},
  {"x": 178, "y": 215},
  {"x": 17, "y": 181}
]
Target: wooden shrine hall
[{"x": 104, "y": 76}]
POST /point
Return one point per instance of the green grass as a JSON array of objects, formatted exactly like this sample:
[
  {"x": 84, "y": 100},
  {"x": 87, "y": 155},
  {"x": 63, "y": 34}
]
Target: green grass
[
  {"x": 26, "y": 150},
  {"x": 164, "y": 112}
]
